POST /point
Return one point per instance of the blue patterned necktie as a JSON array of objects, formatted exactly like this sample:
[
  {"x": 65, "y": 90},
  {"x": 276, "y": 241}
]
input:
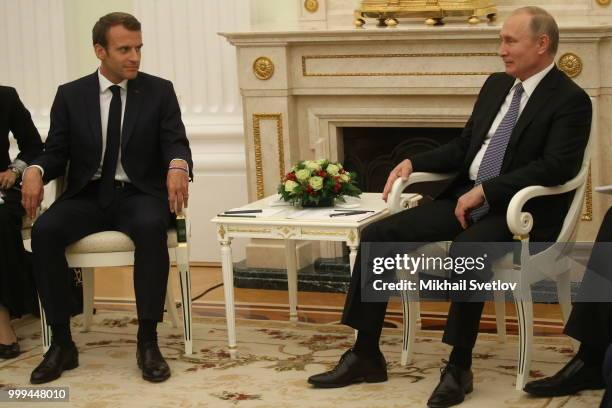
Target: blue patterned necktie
[{"x": 491, "y": 163}]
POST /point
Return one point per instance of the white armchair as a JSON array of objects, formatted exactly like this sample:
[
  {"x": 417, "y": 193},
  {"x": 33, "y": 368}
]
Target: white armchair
[
  {"x": 113, "y": 248},
  {"x": 523, "y": 268}
]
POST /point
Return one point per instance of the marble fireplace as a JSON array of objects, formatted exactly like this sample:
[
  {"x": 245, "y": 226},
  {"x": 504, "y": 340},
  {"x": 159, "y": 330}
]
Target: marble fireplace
[{"x": 306, "y": 92}]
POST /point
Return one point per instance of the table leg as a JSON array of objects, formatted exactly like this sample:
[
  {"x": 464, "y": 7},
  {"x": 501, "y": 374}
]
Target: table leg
[
  {"x": 291, "y": 278},
  {"x": 228, "y": 288},
  {"x": 352, "y": 256},
  {"x": 352, "y": 259}
]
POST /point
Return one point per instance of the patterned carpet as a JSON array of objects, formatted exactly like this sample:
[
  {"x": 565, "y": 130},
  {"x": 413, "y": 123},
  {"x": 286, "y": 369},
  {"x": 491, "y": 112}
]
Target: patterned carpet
[{"x": 275, "y": 358}]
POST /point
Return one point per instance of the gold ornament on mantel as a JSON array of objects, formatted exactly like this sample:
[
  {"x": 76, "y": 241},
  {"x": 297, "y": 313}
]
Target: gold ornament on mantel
[
  {"x": 311, "y": 5},
  {"x": 571, "y": 64},
  {"x": 433, "y": 12},
  {"x": 263, "y": 68}
]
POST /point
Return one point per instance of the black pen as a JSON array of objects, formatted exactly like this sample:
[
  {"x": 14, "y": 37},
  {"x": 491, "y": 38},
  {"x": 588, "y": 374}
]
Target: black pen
[
  {"x": 242, "y": 211},
  {"x": 349, "y": 213}
]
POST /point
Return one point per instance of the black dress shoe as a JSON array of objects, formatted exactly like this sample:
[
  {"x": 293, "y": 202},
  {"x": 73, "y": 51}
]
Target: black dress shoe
[
  {"x": 352, "y": 369},
  {"x": 9, "y": 350},
  {"x": 455, "y": 384},
  {"x": 55, "y": 361},
  {"x": 151, "y": 362},
  {"x": 575, "y": 376}
]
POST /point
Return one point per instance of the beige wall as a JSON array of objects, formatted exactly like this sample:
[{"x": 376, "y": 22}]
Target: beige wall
[{"x": 79, "y": 18}]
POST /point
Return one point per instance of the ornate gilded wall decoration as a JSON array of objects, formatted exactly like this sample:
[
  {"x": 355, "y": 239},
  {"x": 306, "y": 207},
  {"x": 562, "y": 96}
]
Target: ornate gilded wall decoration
[
  {"x": 311, "y": 5},
  {"x": 603, "y": 2},
  {"x": 571, "y": 64},
  {"x": 259, "y": 176},
  {"x": 263, "y": 68}
]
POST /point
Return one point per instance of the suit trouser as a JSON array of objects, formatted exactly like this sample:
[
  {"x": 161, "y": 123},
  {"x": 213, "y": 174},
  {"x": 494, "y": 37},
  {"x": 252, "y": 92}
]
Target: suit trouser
[
  {"x": 144, "y": 218},
  {"x": 591, "y": 322},
  {"x": 432, "y": 222}
]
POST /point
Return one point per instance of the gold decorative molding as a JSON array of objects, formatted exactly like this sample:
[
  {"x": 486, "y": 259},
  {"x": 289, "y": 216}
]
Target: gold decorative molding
[
  {"x": 253, "y": 230},
  {"x": 263, "y": 68},
  {"x": 311, "y": 5},
  {"x": 287, "y": 232},
  {"x": 352, "y": 236},
  {"x": 305, "y": 58},
  {"x": 306, "y": 231},
  {"x": 571, "y": 64},
  {"x": 221, "y": 232},
  {"x": 587, "y": 215},
  {"x": 603, "y": 2},
  {"x": 257, "y": 118}
]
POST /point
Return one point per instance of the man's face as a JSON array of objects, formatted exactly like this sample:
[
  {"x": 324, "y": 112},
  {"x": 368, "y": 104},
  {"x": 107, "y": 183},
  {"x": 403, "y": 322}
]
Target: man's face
[
  {"x": 523, "y": 53},
  {"x": 121, "y": 58}
]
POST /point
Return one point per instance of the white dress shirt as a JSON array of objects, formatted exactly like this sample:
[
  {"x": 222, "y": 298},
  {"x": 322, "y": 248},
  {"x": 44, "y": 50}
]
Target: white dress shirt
[
  {"x": 529, "y": 85},
  {"x": 106, "y": 95}
]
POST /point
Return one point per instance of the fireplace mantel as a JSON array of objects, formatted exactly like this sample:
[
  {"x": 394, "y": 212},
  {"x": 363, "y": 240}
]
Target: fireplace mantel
[{"x": 409, "y": 76}]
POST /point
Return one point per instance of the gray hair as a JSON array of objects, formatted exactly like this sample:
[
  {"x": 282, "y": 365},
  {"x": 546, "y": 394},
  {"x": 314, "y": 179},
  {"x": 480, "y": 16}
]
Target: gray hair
[{"x": 542, "y": 23}]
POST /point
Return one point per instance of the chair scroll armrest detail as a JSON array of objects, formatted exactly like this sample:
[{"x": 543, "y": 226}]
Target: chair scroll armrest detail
[
  {"x": 394, "y": 201},
  {"x": 520, "y": 223}
]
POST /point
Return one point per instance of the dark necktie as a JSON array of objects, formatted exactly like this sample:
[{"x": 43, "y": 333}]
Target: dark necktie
[
  {"x": 494, "y": 155},
  {"x": 106, "y": 190}
]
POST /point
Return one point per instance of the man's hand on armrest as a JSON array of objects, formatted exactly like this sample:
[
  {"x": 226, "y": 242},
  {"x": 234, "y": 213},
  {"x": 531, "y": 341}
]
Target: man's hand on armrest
[
  {"x": 32, "y": 190},
  {"x": 177, "y": 183},
  {"x": 474, "y": 198},
  {"x": 403, "y": 170}
]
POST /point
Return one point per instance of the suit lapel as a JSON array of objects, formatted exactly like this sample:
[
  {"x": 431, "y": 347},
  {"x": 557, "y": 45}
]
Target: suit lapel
[
  {"x": 91, "y": 98},
  {"x": 493, "y": 104},
  {"x": 132, "y": 108},
  {"x": 541, "y": 95}
]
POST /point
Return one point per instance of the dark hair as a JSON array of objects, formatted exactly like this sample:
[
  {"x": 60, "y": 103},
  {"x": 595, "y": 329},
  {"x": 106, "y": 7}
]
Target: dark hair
[
  {"x": 542, "y": 23},
  {"x": 104, "y": 24}
]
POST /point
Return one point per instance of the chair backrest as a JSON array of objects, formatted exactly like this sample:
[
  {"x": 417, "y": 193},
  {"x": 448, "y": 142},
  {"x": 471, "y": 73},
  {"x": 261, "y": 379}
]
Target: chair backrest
[{"x": 575, "y": 210}]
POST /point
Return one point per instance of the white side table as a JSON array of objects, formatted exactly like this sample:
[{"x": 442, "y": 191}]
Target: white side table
[{"x": 280, "y": 227}]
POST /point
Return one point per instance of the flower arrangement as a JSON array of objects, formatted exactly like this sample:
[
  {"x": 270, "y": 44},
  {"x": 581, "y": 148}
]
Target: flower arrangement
[{"x": 316, "y": 183}]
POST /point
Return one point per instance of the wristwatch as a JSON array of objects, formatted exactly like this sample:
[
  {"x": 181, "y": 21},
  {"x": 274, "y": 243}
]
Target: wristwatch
[{"x": 15, "y": 170}]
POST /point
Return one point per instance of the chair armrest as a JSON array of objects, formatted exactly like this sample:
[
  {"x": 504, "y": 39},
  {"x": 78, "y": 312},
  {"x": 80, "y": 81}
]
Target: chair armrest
[
  {"x": 183, "y": 227},
  {"x": 394, "y": 202},
  {"x": 520, "y": 223}
]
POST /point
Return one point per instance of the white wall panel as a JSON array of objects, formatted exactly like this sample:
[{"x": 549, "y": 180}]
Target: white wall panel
[{"x": 182, "y": 45}]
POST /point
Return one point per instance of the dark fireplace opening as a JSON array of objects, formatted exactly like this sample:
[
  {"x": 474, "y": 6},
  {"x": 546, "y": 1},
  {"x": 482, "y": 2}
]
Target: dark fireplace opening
[{"x": 372, "y": 152}]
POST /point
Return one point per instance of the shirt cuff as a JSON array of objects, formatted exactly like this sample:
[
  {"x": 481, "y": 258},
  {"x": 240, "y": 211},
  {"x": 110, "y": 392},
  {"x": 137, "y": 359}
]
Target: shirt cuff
[
  {"x": 42, "y": 171},
  {"x": 183, "y": 160}
]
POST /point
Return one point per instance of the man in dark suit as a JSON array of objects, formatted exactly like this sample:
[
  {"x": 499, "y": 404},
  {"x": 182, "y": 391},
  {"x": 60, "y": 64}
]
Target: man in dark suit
[
  {"x": 529, "y": 126},
  {"x": 120, "y": 133}
]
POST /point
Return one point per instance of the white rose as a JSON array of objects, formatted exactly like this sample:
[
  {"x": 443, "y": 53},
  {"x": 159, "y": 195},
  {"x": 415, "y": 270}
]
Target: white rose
[
  {"x": 321, "y": 161},
  {"x": 290, "y": 185},
  {"x": 302, "y": 175},
  {"x": 316, "y": 182},
  {"x": 312, "y": 165},
  {"x": 345, "y": 177},
  {"x": 332, "y": 169}
]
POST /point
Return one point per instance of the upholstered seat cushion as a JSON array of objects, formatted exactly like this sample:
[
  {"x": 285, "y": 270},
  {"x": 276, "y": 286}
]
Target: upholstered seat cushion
[{"x": 111, "y": 241}]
